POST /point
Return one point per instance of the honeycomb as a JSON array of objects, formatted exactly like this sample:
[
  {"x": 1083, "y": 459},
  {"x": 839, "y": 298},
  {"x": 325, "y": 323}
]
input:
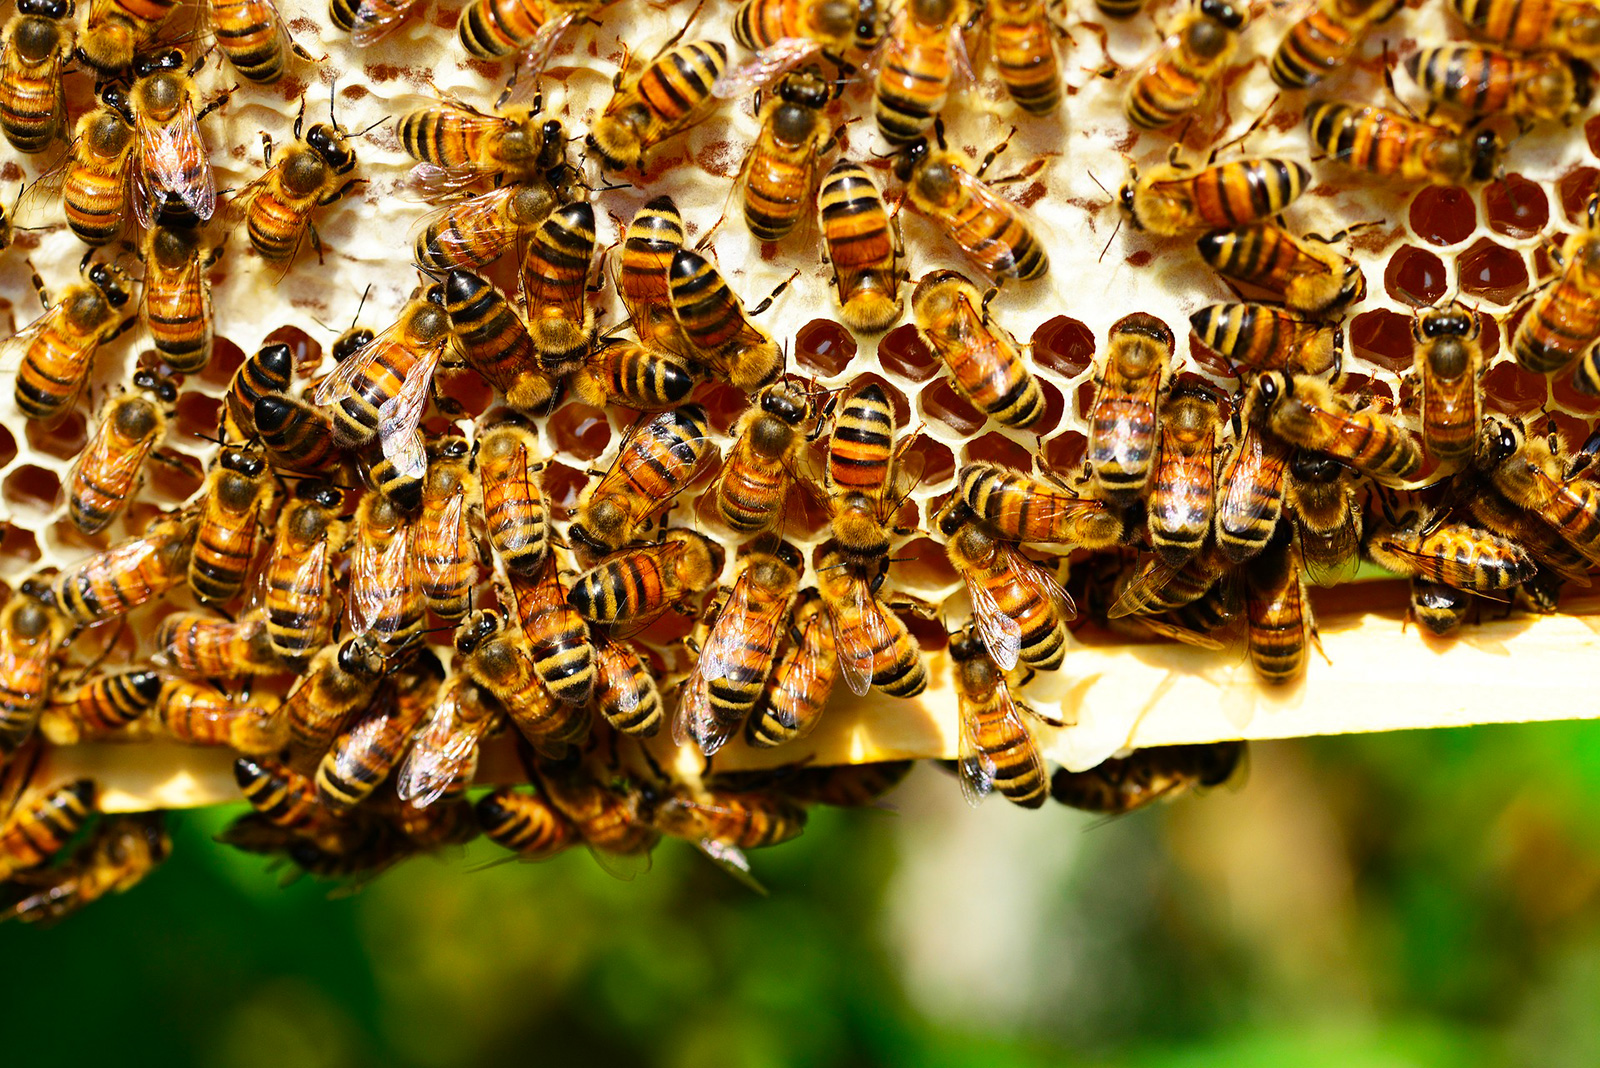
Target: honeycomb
[{"x": 1488, "y": 244}]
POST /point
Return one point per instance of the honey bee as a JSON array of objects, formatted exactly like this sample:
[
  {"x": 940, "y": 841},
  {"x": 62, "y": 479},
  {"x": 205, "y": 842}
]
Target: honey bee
[
  {"x": 103, "y": 705},
  {"x": 40, "y": 828},
  {"x": 1279, "y": 624},
  {"x": 513, "y": 505},
  {"x": 555, "y": 280},
  {"x": 990, "y": 229},
  {"x": 207, "y": 646},
  {"x": 557, "y": 636},
  {"x": 754, "y": 482},
  {"x": 119, "y": 579},
  {"x": 176, "y": 301},
  {"x": 35, "y": 44},
  {"x": 527, "y": 824},
  {"x": 636, "y": 585},
  {"x": 372, "y": 745},
  {"x": 267, "y": 372},
  {"x": 1438, "y": 607},
  {"x": 92, "y": 179},
  {"x": 625, "y": 692},
  {"x": 1564, "y": 320},
  {"x": 787, "y": 33},
  {"x": 1022, "y": 37},
  {"x": 634, "y": 376},
  {"x": 1177, "y": 197},
  {"x": 985, "y": 363},
  {"x": 603, "y": 815},
  {"x": 871, "y": 643},
  {"x": 299, "y": 574},
  {"x": 1449, "y": 367},
  {"x": 369, "y": 21},
  {"x": 1191, "y": 62},
  {"x": 382, "y": 389},
  {"x": 479, "y": 229},
  {"x": 667, "y": 96},
  {"x": 1568, "y": 26},
  {"x": 310, "y": 174},
  {"x": 238, "y": 490},
  {"x": 1306, "y": 412},
  {"x": 385, "y": 599},
  {"x": 739, "y": 651},
  {"x": 494, "y": 340},
  {"x": 117, "y": 30},
  {"x": 32, "y": 634},
  {"x": 1322, "y": 498},
  {"x": 921, "y": 53},
  {"x": 1183, "y": 489},
  {"x": 490, "y": 29},
  {"x": 1159, "y": 587},
  {"x": 1541, "y": 594},
  {"x": 1544, "y": 87},
  {"x": 656, "y": 460},
  {"x": 108, "y": 469},
  {"x": 251, "y": 34},
  {"x": 1305, "y": 273},
  {"x": 643, "y": 279},
  {"x": 57, "y": 349},
  {"x": 1250, "y": 497},
  {"x": 444, "y": 749},
  {"x": 724, "y": 824},
  {"x": 1122, "y": 420},
  {"x": 340, "y": 679},
  {"x": 200, "y": 714},
  {"x": 997, "y": 752},
  {"x": 173, "y": 164},
  {"x": 716, "y": 326},
  {"x": 502, "y": 660},
  {"x": 1391, "y": 145},
  {"x": 868, "y": 477},
  {"x": 1316, "y": 45},
  {"x": 842, "y": 785},
  {"x": 446, "y": 552},
  {"x": 1490, "y": 508},
  {"x": 284, "y": 798},
  {"x": 1529, "y": 474},
  {"x": 1018, "y": 607},
  {"x": 863, "y": 245},
  {"x": 1453, "y": 554},
  {"x": 1024, "y": 508},
  {"x": 1266, "y": 338},
  {"x": 1124, "y": 784},
  {"x": 798, "y": 690},
  {"x": 119, "y": 852},
  {"x": 780, "y": 173},
  {"x": 456, "y": 143}
]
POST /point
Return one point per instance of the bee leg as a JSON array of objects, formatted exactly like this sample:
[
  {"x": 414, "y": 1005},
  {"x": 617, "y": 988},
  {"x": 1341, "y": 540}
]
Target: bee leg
[
  {"x": 266, "y": 149},
  {"x": 770, "y": 297},
  {"x": 39, "y": 287},
  {"x": 294, "y": 46},
  {"x": 622, "y": 68},
  {"x": 215, "y": 104},
  {"x": 994, "y": 152},
  {"x": 339, "y": 193},
  {"x": 316, "y": 241}
]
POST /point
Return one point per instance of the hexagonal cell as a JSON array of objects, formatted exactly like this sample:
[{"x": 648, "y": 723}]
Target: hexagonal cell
[
  {"x": 1443, "y": 215},
  {"x": 941, "y": 401},
  {"x": 1492, "y": 272},
  {"x": 1489, "y": 339},
  {"x": 1384, "y": 337},
  {"x": 1415, "y": 276},
  {"x": 996, "y": 448},
  {"x": 921, "y": 564},
  {"x": 18, "y": 548},
  {"x": 1572, "y": 430},
  {"x": 938, "y": 463},
  {"x": 1569, "y": 397},
  {"x": 1516, "y": 207},
  {"x": 929, "y": 634},
  {"x": 1514, "y": 390},
  {"x": 1063, "y": 345},
  {"x": 64, "y": 440},
  {"x": 902, "y": 353},
  {"x": 174, "y": 478},
  {"x": 1064, "y": 453},
  {"x": 825, "y": 347},
  {"x": 562, "y": 486},
  {"x": 466, "y": 390},
  {"x": 724, "y": 404},
  {"x": 1575, "y": 188},
  {"x": 580, "y": 431},
  {"x": 197, "y": 414},
  {"x": 31, "y": 486},
  {"x": 1055, "y": 408},
  {"x": 225, "y": 360}
]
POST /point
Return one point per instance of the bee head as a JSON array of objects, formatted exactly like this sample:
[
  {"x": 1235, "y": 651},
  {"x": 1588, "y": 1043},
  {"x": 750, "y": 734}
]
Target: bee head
[
  {"x": 163, "y": 387},
  {"x": 351, "y": 342},
  {"x": 1450, "y": 321},
  {"x": 908, "y": 158},
  {"x": 477, "y": 628},
  {"x": 1485, "y": 154},
  {"x": 167, "y": 59},
  {"x": 248, "y": 464},
  {"x": 322, "y": 494},
  {"x": 330, "y": 144},
  {"x": 111, "y": 282},
  {"x": 1222, "y": 12},
  {"x": 50, "y": 9}
]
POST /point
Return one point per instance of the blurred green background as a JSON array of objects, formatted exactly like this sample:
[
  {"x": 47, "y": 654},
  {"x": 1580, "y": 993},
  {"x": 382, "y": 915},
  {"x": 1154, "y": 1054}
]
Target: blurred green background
[{"x": 1414, "y": 899}]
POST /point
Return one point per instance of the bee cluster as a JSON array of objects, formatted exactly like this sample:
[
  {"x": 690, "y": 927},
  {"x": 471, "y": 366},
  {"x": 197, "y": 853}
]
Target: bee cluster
[{"x": 397, "y": 557}]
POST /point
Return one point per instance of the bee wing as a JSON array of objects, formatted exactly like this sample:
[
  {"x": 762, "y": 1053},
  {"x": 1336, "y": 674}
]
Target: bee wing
[
  {"x": 166, "y": 152},
  {"x": 694, "y": 709},
  {"x": 624, "y": 866},
  {"x": 905, "y": 476},
  {"x": 337, "y": 386},
  {"x": 399, "y": 415},
  {"x": 1161, "y": 628},
  {"x": 975, "y": 769},
  {"x": 1152, "y": 577},
  {"x": 765, "y": 67},
  {"x": 15, "y": 347},
  {"x": 537, "y": 52},
  {"x": 1323, "y": 573},
  {"x": 374, "y": 580},
  {"x": 481, "y": 228},
  {"x": 445, "y": 749},
  {"x": 1001, "y": 634},
  {"x": 449, "y": 520},
  {"x": 374, "y": 22},
  {"x": 1045, "y": 584},
  {"x": 731, "y": 859},
  {"x": 816, "y": 660},
  {"x": 118, "y": 467},
  {"x": 40, "y": 204},
  {"x": 856, "y": 660},
  {"x": 430, "y": 181}
]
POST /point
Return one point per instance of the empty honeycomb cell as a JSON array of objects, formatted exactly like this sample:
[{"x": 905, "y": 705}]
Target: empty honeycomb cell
[
  {"x": 929, "y": 634},
  {"x": 174, "y": 478},
  {"x": 64, "y": 440},
  {"x": 1567, "y": 397},
  {"x": 921, "y": 565},
  {"x": 998, "y": 449},
  {"x": 941, "y": 401},
  {"x": 1384, "y": 337},
  {"x": 1063, "y": 345},
  {"x": 1512, "y": 389},
  {"x": 1572, "y": 430},
  {"x": 1492, "y": 272},
  {"x": 8, "y": 445},
  {"x": 197, "y": 414},
  {"x": 824, "y": 347},
  {"x": 67, "y": 542},
  {"x": 1415, "y": 276},
  {"x": 938, "y": 463},
  {"x": 225, "y": 359},
  {"x": 562, "y": 486},
  {"x": 33, "y": 487},
  {"x": 19, "y": 549},
  {"x": 1544, "y": 265},
  {"x": 1489, "y": 336},
  {"x": 1575, "y": 187},
  {"x": 580, "y": 431},
  {"x": 1443, "y": 215},
  {"x": 902, "y": 353},
  {"x": 1064, "y": 452},
  {"x": 1515, "y": 207}
]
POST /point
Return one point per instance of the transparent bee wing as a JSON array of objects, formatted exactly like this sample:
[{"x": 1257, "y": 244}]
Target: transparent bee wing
[
  {"x": 374, "y": 22},
  {"x": 1001, "y": 634},
  {"x": 1045, "y": 584},
  {"x": 14, "y": 348},
  {"x": 877, "y": 631},
  {"x": 399, "y": 416},
  {"x": 731, "y": 859},
  {"x": 1171, "y": 631},
  {"x": 40, "y": 203},
  {"x": 376, "y": 576},
  {"x": 765, "y": 68},
  {"x": 167, "y": 154},
  {"x": 1135, "y": 596},
  {"x": 430, "y": 181},
  {"x": 1326, "y": 571},
  {"x": 817, "y": 664},
  {"x": 857, "y": 671},
  {"x": 444, "y": 524},
  {"x": 624, "y": 866},
  {"x": 693, "y": 711},
  {"x": 537, "y": 53},
  {"x": 974, "y": 768},
  {"x": 338, "y": 385},
  {"x": 445, "y": 749}
]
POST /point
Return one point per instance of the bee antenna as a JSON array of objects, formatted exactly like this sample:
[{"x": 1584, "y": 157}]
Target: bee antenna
[
  {"x": 1114, "y": 232},
  {"x": 1096, "y": 181}
]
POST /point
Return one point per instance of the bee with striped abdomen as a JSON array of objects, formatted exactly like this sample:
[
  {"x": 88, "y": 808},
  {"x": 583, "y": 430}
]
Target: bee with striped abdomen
[
  {"x": 1279, "y": 626},
  {"x": 1156, "y": 586},
  {"x": 985, "y": 363},
  {"x": 33, "y": 633},
  {"x": 369, "y": 21},
  {"x": 444, "y": 749},
  {"x": 868, "y": 476},
  {"x": 1123, "y": 430},
  {"x": 35, "y": 44},
  {"x": 1024, "y": 508},
  {"x": 1018, "y": 607},
  {"x": 107, "y": 472},
  {"x": 285, "y": 798},
  {"x": 664, "y": 98},
  {"x": 373, "y": 743},
  {"x": 252, "y": 35},
  {"x": 57, "y": 349},
  {"x": 206, "y": 646},
  {"x": 863, "y": 245},
  {"x": 779, "y": 175},
  {"x": 101, "y": 706},
  {"x": 298, "y": 599},
  {"x": 1250, "y": 494},
  {"x": 1321, "y": 496},
  {"x": 173, "y": 167},
  {"x": 723, "y": 824},
  {"x": 119, "y": 852},
  {"x": 633, "y": 375},
  {"x": 754, "y": 482},
  {"x": 1564, "y": 320},
  {"x": 1266, "y": 338},
  {"x": 1449, "y": 367},
  {"x": 656, "y": 460},
  {"x": 1190, "y": 64},
  {"x": 175, "y": 303},
  {"x": 1179, "y": 197},
  {"x": 477, "y": 230},
  {"x": 237, "y": 493},
  {"x": 311, "y": 173},
  {"x": 785, "y": 34},
  {"x": 625, "y": 692},
  {"x": 119, "y": 579},
  {"x": 922, "y": 51},
  {"x": 455, "y": 144},
  {"x": 555, "y": 288},
  {"x": 990, "y": 229},
  {"x": 490, "y": 29},
  {"x": 799, "y": 687},
  {"x": 1569, "y": 26},
  {"x": 442, "y": 541},
  {"x": 1183, "y": 487},
  {"x": 500, "y": 658},
  {"x": 385, "y": 597},
  {"x": 1452, "y": 554},
  {"x": 513, "y": 504},
  {"x": 1124, "y": 784},
  {"x": 557, "y": 635},
  {"x": 605, "y": 815},
  {"x": 1543, "y": 87},
  {"x": 527, "y": 824},
  {"x": 340, "y": 679},
  {"x": 1316, "y": 45},
  {"x": 269, "y": 371},
  {"x": 1304, "y": 272},
  {"x": 1391, "y": 145},
  {"x": 1306, "y": 412},
  {"x": 636, "y": 585},
  {"x": 1530, "y": 474},
  {"x": 92, "y": 179},
  {"x": 872, "y": 645},
  {"x": 643, "y": 275},
  {"x": 1022, "y": 36},
  {"x": 296, "y": 436},
  {"x": 717, "y": 328},
  {"x": 197, "y": 713},
  {"x": 38, "y": 829},
  {"x": 739, "y": 651},
  {"x": 998, "y": 752},
  {"x": 493, "y": 339},
  {"x": 117, "y": 30}
]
